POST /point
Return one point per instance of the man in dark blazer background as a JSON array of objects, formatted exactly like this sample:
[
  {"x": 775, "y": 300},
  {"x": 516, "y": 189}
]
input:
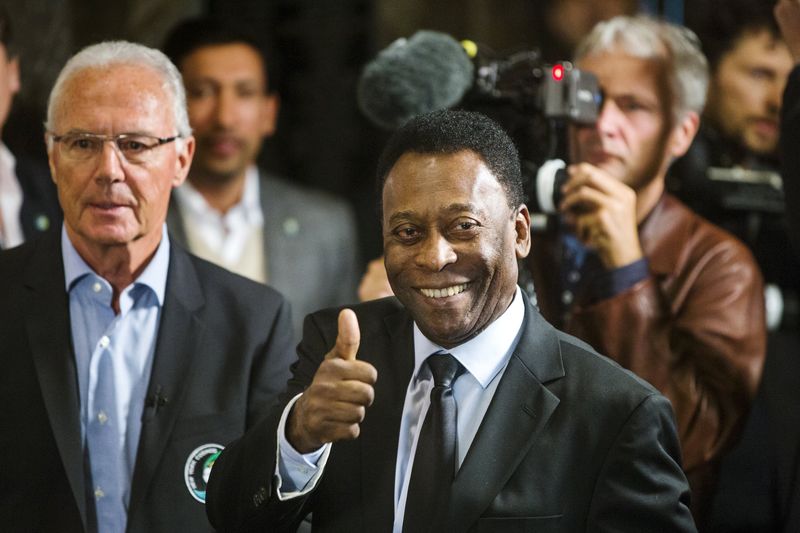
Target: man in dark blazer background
[
  {"x": 551, "y": 436},
  {"x": 128, "y": 364},
  {"x": 28, "y": 203},
  {"x": 231, "y": 211}
]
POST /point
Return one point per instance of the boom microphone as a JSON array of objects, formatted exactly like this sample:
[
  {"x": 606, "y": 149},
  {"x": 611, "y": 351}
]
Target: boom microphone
[{"x": 427, "y": 72}]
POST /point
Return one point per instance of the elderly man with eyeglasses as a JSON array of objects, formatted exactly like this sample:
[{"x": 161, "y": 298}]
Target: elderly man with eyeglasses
[{"x": 128, "y": 364}]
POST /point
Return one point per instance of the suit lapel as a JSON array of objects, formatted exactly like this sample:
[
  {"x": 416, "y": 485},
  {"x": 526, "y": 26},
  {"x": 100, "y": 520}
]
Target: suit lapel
[
  {"x": 179, "y": 340},
  {"x": 394, "y": 361},
  {"x": 271, "y": 211},
  {"x": 48, "y": 329},
  {"x": 516, "y": 416}
]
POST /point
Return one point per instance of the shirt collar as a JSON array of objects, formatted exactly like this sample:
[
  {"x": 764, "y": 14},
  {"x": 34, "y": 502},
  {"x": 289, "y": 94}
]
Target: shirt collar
[
  {"x": 249, "y": 206},
  {"x": 485, "y": 355},
  {"x": 8, "y": 180},
  {"x": 153, "y": 276}
]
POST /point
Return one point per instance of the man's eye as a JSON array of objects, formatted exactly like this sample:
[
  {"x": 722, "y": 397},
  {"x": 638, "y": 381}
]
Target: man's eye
[
  {"x": 761, "y": 74},
  {"x": 82, "y": 144},
  {"x": 406, "y": 233},
  {"x": 132, "y": 146},
  {"x": 201, "y": 91},
  {"x": 465, "y": 227}
]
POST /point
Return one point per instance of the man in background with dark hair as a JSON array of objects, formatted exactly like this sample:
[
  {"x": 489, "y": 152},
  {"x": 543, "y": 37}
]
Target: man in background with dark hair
[
  {"x": 760, "y": 480},
  {"x": 455, "y": 406},
  {"x": 300, "y": 241},
  {"x": 730, "y": 175},
  {"x": 28, "y": 203}
]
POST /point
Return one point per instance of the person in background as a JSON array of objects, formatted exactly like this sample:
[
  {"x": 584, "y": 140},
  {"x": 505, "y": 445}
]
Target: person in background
[
  {"x": 731, "y": 173},
  {"x": 28, "y": 203},
  {"x": 300, "y": 241},
  {"x": 128, "y": 364},
  {"x": 631, "y": 270},
  {"x": 760, "y": 480}
]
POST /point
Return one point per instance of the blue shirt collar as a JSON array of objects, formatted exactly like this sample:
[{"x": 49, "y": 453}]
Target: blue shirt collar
[
  {"x": 485, "y": 355},
  {"x": 154, "y": 275}
]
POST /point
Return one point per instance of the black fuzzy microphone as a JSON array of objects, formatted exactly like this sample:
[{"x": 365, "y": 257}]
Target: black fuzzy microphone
[{"x": 427, "y": 72}]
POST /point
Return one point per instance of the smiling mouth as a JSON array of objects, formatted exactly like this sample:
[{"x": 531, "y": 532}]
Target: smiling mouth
[{"x": 444, "y": 292}]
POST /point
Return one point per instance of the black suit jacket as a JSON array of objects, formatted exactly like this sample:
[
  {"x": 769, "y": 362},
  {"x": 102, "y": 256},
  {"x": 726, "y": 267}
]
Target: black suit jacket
[
  {"x": 570, "y": 442},
  {"x": 40, "y": 210},
  {"x": 222, "y": 355},
  {"x": 790, "y": 155}
]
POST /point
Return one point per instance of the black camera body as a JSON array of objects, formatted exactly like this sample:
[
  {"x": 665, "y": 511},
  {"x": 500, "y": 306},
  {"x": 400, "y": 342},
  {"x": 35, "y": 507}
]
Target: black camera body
[{"x": 536, "y": 102}]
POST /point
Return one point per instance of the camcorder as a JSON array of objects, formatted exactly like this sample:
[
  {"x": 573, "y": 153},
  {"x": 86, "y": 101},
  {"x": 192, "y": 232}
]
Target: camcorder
[
  {"x": 533, "y": 100},
  {"x": 536, "y": 102}
]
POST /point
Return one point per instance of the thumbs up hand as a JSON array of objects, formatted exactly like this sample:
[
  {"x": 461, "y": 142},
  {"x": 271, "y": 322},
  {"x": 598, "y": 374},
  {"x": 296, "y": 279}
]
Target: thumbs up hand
[{"x": 335, "y": 403}]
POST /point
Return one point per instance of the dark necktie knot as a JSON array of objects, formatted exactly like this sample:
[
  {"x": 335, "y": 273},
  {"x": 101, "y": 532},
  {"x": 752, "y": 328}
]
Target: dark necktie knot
[{"x": 445, "y": 369}]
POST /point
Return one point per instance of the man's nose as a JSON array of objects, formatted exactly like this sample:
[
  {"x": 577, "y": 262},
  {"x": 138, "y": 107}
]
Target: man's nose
[
  {"x": 608, "y": 119},
  {"x": 775, "y": 95},
  {"x": 225, "y": 109},
  {"x": 109, "y": 163},
  {"x": 435, "y": 253}
]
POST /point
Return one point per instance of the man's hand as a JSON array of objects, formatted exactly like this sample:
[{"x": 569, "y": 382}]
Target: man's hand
[
  {"x": 602, "y": 211},
  {"x": 787, "y": 13},
  {"x": 335, "y": 403},
  {"x": 374, "y": 283}
]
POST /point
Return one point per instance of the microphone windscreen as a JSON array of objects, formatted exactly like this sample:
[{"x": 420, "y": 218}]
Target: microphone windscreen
[{"x": 427, "y": 72}]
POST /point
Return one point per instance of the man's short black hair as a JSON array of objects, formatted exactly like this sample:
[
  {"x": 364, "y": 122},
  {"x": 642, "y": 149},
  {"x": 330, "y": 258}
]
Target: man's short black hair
[
  {"x": 5, "y": 33},
  {"x": 448, "y": 132},
  {"x": 720, "y": 24},
  {"x": 198, "y": 32}
]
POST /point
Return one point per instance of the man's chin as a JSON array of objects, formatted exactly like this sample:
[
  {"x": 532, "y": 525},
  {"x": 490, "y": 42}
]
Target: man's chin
[{"x": 218, "y": 171}]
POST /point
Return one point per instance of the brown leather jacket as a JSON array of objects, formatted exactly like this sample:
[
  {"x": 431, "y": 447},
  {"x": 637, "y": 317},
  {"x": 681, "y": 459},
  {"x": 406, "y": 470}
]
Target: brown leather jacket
[{"x": 694, "y": 328}]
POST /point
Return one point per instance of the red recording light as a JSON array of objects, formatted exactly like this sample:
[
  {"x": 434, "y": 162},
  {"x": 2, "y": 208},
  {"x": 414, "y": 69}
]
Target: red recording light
[{"x": 558, "y": 72}]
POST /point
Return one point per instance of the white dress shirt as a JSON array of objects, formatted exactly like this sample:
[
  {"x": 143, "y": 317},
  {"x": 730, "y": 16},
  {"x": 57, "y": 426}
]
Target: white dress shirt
[
  {"x": 484, "y": 357},
  {"x": 224, "y": 237},
  {"x": 11, "y": 198}
]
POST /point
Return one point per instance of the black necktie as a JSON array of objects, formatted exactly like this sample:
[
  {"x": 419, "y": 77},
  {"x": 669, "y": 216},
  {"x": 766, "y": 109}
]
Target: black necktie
[{"x": 435, "y": 458}]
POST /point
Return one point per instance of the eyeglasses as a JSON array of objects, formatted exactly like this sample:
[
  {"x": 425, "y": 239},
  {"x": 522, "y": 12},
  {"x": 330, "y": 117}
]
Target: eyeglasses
[{"x": 133, "y": 147}]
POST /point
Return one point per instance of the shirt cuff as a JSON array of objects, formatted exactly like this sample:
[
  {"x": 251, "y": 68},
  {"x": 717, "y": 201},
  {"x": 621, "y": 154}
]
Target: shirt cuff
[
  {"x": 613, "y": 282},
  {"x": 296, "y": 474}
]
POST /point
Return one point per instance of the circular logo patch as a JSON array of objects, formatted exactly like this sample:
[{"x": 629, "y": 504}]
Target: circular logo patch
[{"x": 198, "y": 468}]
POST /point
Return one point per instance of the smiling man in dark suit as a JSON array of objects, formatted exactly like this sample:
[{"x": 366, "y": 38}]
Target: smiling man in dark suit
[
  {"x": 127, "y": 363},
  {"x": 520, "y": 426}
]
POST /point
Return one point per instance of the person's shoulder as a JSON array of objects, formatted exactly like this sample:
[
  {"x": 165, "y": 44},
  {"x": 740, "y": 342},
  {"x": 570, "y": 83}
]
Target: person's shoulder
[
  {"x": 20, "y": 256},
  {"x": 689, "y": 237},
  {"x": 599, "y": 378},
  {"x": 13, "y": 261},
  {"x": 283, "y": 189},
  {"x": 219, "y": 282}
]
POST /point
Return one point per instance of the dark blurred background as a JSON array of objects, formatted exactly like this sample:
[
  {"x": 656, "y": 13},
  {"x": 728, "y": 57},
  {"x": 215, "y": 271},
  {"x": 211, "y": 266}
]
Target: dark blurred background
[{"x": 321, "y": 46}]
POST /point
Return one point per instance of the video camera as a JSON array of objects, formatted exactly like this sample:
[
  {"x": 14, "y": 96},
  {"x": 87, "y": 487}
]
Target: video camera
[{"x": 534, "y": 101}]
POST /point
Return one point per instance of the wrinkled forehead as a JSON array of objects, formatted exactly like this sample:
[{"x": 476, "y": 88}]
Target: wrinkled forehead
[{"x": 124, "y": 91}]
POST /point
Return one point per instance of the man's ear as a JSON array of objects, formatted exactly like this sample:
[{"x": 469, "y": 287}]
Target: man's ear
[
  {"x": 270, "y": 105},
  {"x": 12, "y": 74},
  {"x": 184, "y": 161},
  {"x": 522, "y": 230},
  {"x": 683, "y": 134}
]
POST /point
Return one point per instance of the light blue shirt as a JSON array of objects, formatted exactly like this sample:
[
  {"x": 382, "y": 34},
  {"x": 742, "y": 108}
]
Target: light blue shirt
[
  {"x": 130, "y": 337},
  {"x": 484, "y": 357}
]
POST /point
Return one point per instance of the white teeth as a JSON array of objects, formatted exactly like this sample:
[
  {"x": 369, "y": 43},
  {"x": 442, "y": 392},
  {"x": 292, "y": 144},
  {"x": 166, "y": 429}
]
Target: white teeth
[{"x": 447, "y": 291}]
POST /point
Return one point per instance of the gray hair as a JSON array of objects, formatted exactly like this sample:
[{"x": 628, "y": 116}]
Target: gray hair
[
  {"x": 648, "y": 38},
  {"x": 124, "y": 53}
]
